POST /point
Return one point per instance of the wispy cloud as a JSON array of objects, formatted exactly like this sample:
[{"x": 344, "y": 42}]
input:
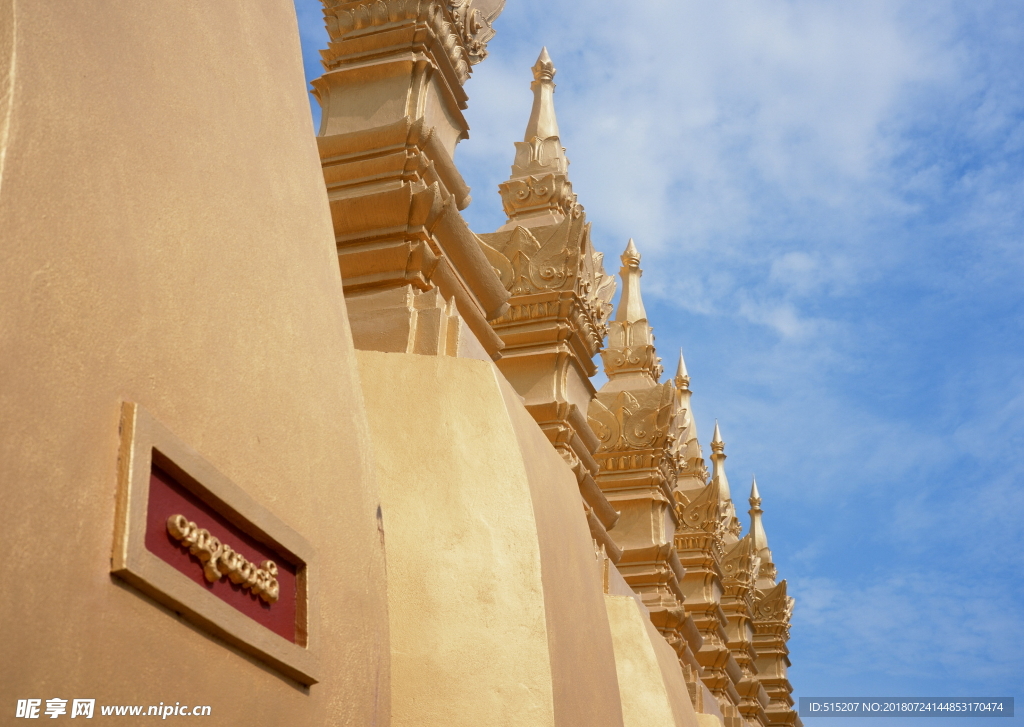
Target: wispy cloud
[{"x": 910, "y": 625}]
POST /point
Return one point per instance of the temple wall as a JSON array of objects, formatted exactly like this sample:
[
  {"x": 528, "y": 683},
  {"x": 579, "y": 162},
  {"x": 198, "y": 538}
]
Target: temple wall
[
  {"x": 654, "y": 693},
  {"x": 167, "y": 241},
  {"x": 584, "y": 679},
  {"x": 496, "y": 605}
]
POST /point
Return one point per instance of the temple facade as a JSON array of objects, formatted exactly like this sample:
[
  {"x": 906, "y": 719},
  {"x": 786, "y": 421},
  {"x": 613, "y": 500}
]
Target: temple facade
[{"x": 286, "y": 438}]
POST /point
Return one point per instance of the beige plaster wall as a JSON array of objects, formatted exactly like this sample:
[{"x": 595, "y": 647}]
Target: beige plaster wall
[
  {"x": 653, "y": 690},
  {"x": 166, "y": 239},
  {"x": 586, "y": 689},
  {"x": 469, "y": 639},
  {"x": 496, "y": 605}
]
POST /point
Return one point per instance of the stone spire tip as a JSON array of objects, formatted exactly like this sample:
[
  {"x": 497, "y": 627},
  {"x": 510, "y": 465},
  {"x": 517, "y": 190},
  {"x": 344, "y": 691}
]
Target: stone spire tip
[
  {"x": 682, "y": 375},
  {"x": 631, "y": 257},
  {"x": 757, "y": 533},
  {"x": 718, "y": 458},
  {"x": 631, "y": 304},
  {"x": 543, "y": 124},
  {"x": 544, "y": 68}
]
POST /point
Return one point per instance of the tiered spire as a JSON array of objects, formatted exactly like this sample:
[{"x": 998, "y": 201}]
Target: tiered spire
[
  {"x": 720, "y": 585},
  {"x": 630, "y": 351},
  {"x": 543, "y": 124},
  {"x": 718, "y": 457},
  {"x": 682, "y": 378},
  {"x": 766, "y": 574},
  {"x": 539, "y": 192},
  {"x": 561, "y": 299},
  {"x": 642, "y": 427},
  {"x": 773, "y": 609}
]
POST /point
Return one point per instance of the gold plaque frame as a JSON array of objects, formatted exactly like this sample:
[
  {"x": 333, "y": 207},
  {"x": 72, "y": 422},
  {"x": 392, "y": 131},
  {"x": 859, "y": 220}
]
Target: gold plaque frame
[{"x": 145, "y": 441}]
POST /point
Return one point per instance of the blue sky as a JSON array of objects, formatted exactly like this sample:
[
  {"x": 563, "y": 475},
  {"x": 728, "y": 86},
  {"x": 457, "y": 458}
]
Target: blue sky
[{"x": 829, "y": 200}]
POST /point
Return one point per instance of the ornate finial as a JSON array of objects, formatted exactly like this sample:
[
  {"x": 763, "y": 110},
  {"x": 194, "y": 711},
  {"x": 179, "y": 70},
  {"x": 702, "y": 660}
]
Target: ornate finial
[
  {"x": 630, "y": 350},
  {"x": 682, "y": 375},
  {"x": 631, "y": 257},
  {"x": 718, "y": 458},
  {"x": 543, "y": 69},
  {"x": 717, "y": 445},
  {"x": 755, "y": 496},
  {"x": 631, "y": 304},
  {"x": 543, "y": 124},
  {"x": 766, "y": 574},
  {"x": 539, "y": 193}
]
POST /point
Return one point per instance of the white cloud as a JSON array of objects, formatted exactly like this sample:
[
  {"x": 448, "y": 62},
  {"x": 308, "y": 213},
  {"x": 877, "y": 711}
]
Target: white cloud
[
  {"x": 685, "y": 113},
  {"x": 909, "y": 625}
]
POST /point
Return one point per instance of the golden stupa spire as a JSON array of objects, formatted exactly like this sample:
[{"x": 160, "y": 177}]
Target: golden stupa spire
[
  {"x": 718, "y": 458},
  {"x": 631, "y": 304},
  {"x": 757, "y": 533},
  {"x": 630, "y": 350},
  {"x": 542, "y": 124},
  {"x": 693, "y": 473},
  {"x": 538, "y": 192},
  {"x": 766, "y": 572},
  {"x": 682, "y": 378}
]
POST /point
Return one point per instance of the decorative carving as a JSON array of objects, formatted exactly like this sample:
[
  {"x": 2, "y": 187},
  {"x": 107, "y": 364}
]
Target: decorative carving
[
  {"x": 462, "y": 28},
  {"x": 473, "y": 19},
  {"x": 691, "y": 459},
  {"x": 774, "y": 605},
  {"x": 703, "y": 512},
  {"x": 557, "y": 258},
  {"x": 221, "y": 560},
  {"x": 633, "y": 420},
  {"x": 344, "y": 17},
  {"x": 627, "y": 358},
  {"x": 740, "y": 564},
  {"x": 630, "y": 347},
  {"x": 529, "y": 195}
]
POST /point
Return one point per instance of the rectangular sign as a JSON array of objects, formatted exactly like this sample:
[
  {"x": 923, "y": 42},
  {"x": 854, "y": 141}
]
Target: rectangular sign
[
  {"x": 169, "y": 500},
  {"x": 192, "y": 539}
]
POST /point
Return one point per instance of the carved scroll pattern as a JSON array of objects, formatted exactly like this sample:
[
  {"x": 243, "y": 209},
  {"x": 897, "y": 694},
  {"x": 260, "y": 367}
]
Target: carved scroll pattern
[
  {"x": 703, "y": 512},
  {"x": 691, "y": 460},
  {"x": 773, "y": 605},
  {"x": 539, "y": 191},
  {"x": 634, "y": 420},
  {"x": 740, "y": 564},
  {"x": 474, "y": 24},
  {"x": 556, "y": 258},
  {"x": 461, "y": 28}
]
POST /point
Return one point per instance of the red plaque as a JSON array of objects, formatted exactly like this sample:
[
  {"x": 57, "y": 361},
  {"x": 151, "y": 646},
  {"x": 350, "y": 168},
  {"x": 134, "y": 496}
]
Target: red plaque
[
  {"x": 167, "y": 497},
  {"x": 193, "y": 540}
]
